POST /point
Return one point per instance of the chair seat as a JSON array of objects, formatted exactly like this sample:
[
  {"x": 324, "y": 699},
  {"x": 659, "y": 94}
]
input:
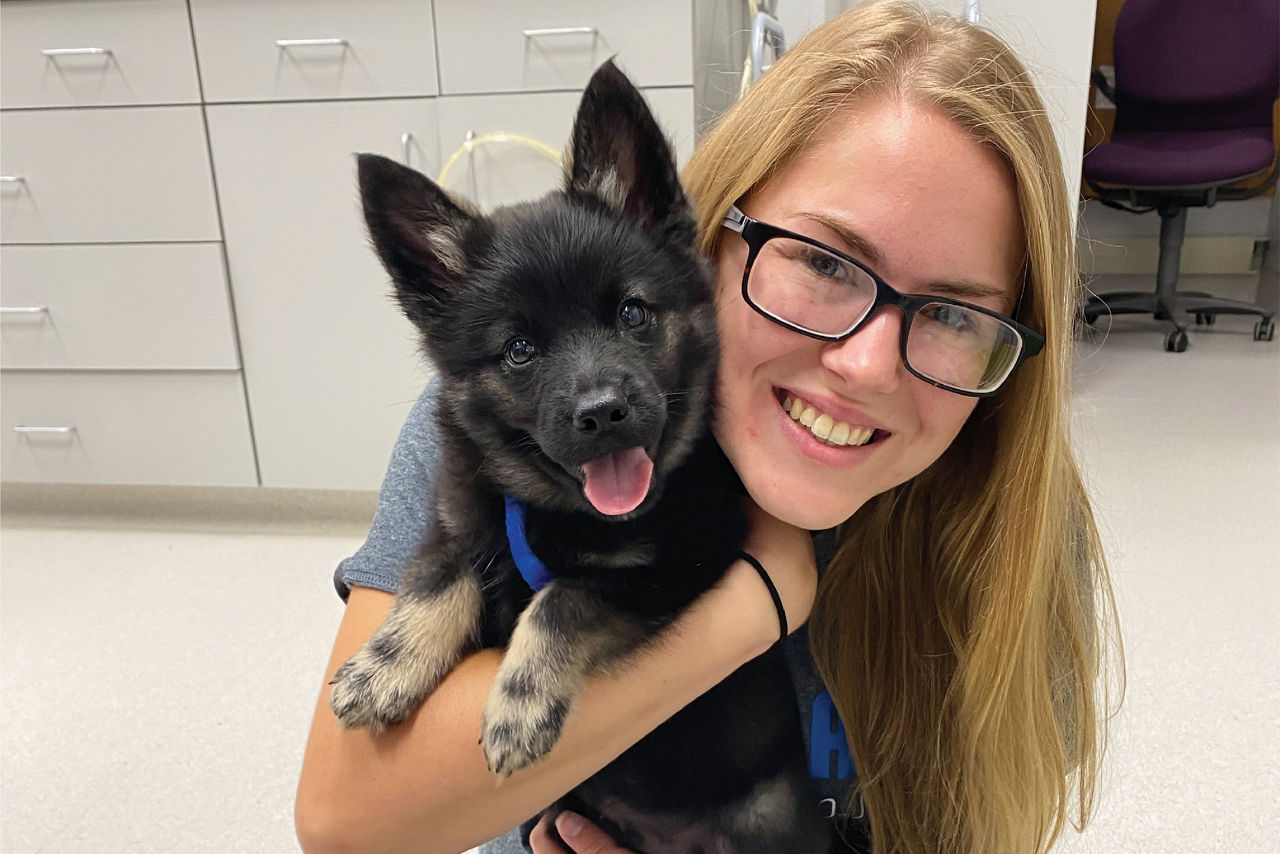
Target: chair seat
[{"x": 1179, "y": 158}]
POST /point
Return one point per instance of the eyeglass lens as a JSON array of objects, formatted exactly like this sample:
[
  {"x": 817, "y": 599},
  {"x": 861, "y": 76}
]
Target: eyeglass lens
[{"x": 823, "y": 293}]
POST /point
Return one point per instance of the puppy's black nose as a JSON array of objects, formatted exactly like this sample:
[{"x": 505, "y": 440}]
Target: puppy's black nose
[{"x": 600, "y": 411}]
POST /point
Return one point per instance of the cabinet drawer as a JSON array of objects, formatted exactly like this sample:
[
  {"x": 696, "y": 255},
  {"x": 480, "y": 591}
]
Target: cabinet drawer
[
  {"x": 289, "y": 50},
  {"x": 51, "y": 53},
  {"x": 539, "y": 45},
  {"x": 124, "y": 174},
  {"x": 100, "y": 427},
  {"x": 122, "y": 306},
  {"x": 503, "y": 173}
]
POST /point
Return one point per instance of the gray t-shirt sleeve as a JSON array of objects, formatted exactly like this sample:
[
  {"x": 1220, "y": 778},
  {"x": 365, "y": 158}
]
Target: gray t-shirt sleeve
[{"x": 402, "y": 520}]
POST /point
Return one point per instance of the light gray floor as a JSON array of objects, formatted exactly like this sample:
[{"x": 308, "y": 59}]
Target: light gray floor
[{"x": 157, "y": 683}]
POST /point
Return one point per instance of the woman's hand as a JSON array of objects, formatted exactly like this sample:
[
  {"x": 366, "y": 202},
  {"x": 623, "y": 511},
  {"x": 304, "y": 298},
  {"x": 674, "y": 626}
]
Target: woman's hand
[{"x": 580, "y": 835}]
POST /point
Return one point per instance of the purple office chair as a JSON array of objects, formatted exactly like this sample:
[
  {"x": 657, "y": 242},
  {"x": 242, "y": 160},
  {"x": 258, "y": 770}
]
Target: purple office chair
[{"x": 1195, "y": 83}]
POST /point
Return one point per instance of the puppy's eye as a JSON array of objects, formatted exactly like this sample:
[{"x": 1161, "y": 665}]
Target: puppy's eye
[
  {"x": 520, "y": 351},
  {"x": 632, "y": 313}
]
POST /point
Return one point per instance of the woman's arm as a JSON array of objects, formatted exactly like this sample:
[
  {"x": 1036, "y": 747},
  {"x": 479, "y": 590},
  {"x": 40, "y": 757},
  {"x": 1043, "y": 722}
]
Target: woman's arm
[{"x": 423, "y": 786}]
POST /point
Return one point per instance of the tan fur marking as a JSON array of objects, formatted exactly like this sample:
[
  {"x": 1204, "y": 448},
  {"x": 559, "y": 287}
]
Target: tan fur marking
[
  {"x": 429, "y": 635},
  {"x": 447, "y": 244},
  {"x": 519, "y": 728}
]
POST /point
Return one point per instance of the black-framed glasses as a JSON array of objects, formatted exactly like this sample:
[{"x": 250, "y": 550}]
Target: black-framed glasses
[{"x": 810, "y": 288}]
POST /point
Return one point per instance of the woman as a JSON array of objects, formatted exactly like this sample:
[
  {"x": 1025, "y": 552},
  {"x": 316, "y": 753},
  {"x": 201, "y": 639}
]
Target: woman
[{"x": 960, "y": 626}]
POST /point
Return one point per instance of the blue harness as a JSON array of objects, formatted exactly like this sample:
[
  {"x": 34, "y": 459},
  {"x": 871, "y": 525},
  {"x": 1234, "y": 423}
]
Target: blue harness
[{"x": 532, "y": 570}]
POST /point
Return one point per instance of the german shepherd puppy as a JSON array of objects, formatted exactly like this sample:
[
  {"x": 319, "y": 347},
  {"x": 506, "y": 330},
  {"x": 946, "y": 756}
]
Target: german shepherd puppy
[{"x": 576, "y": 339}]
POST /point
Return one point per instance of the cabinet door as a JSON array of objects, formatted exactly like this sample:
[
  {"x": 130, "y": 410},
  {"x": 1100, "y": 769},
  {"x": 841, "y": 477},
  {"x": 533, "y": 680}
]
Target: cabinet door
[
  {"x": 507, "y": 166},
  {"x": 88, "y": 53},
  {"x": 331, "y": 365}
]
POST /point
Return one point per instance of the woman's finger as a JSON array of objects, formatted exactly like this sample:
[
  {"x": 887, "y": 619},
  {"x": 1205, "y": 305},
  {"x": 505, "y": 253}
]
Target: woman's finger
[
  {"x": 584, "y": 837},
  {"x": 540, "y": 839}
]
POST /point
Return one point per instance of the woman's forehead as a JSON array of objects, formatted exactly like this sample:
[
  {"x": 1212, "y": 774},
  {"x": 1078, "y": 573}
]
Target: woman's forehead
[{"x": 906, "y": 190}]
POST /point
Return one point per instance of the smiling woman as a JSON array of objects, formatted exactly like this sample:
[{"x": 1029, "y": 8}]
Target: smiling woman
[{"x": 965, "y": 619}]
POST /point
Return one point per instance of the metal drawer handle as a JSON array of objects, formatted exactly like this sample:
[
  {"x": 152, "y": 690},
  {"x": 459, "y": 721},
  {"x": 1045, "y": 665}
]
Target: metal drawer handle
[
  {"x": 286, "y": 43},
  {"x": 57, "y": 431},
  {"x": 406, "y": 140},
  {"x": 77, "y": 51},
  {"x": 561, "y": 31},
  {"x": 24, "y": 309}
]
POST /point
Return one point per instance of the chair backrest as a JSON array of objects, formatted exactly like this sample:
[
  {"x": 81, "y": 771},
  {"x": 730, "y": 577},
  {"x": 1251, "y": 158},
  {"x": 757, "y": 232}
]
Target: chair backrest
[{"x": 1196, "y": 64}]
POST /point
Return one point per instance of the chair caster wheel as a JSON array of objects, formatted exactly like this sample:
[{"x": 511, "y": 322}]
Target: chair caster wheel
[
  {"x": 1205, "y": 319},
  {"x": 1265, "y": 330},
  {"x": 1176, "y": 341}
]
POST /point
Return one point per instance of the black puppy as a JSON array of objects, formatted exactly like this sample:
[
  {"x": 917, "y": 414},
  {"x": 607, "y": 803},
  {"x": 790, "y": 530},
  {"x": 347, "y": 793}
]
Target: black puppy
[{"x": 576, "y": 339}]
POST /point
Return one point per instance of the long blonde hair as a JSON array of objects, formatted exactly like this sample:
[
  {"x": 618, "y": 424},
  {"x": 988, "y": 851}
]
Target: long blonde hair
[{"x": 965, "y": 625}]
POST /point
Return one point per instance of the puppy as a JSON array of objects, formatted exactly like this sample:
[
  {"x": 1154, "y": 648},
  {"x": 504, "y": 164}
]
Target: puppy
[{"x": 576, "y": 340}]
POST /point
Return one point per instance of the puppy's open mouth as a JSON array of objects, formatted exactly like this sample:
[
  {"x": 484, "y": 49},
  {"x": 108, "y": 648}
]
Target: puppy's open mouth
[
  {"x": 617, "y": 483},
  {"x": 825, "y": 428}
]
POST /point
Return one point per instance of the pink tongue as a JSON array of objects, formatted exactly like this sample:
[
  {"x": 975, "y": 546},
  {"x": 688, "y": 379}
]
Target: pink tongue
[{"x": 616, "y": 484}]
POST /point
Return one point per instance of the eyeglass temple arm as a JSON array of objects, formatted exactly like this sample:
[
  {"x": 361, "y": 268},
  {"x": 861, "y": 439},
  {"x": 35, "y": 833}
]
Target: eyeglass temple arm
[{"x": 735, "y": 219}]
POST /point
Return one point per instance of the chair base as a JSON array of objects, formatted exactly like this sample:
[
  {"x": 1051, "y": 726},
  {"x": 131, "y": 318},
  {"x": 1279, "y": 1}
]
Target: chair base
[
  {"x": 1166, "y": 302},
  {"x": 1178, "y": 309}
]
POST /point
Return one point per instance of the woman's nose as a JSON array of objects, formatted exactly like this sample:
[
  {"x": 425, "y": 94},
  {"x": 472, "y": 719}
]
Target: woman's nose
[{"x": 870, "y": 360}]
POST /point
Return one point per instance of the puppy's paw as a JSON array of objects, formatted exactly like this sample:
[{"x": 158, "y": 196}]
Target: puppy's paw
[
  {"x": 520, "y": 725},
  {"x": 374, "y": 692}
]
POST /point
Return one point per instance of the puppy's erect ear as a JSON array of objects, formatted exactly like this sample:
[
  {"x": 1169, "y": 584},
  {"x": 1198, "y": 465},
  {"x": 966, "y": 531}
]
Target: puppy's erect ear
[
  {"x": 420, "y": 233},
  {"x": 620, "y": 157}
]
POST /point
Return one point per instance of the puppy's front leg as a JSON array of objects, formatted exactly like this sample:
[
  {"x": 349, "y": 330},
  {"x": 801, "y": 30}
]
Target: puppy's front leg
[
  {"x": 435, "y": 617},
  {"x": 564, "y": 634}
]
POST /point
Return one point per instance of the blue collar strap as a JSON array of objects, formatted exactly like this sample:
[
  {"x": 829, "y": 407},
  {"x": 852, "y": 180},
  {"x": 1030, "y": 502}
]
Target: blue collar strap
[{"x": 534, "y": 572}]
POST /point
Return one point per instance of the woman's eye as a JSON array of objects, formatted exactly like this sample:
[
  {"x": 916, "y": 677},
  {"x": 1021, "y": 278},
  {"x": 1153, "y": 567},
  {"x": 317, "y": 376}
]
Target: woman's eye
[
  {"x": 632, "y": 314},
  {"x": 952, "y": 317},
  {"x": 520, "y": 351},
  {"x": 825, "y": 265}
]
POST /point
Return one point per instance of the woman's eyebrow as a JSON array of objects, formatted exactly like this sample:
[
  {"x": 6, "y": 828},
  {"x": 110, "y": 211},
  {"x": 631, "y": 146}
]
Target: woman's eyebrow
[
  {"x": 855, "y": 241},
  {"x": 963, "y": 289}
]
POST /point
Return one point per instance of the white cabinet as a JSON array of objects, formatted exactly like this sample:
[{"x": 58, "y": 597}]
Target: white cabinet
[
  {"x": 120, "y": 361},
  {"x": 331, "y": 364}
]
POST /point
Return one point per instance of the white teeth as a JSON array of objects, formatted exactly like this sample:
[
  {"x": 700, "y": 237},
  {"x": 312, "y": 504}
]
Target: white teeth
[{"x": 823, "y": 426}]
